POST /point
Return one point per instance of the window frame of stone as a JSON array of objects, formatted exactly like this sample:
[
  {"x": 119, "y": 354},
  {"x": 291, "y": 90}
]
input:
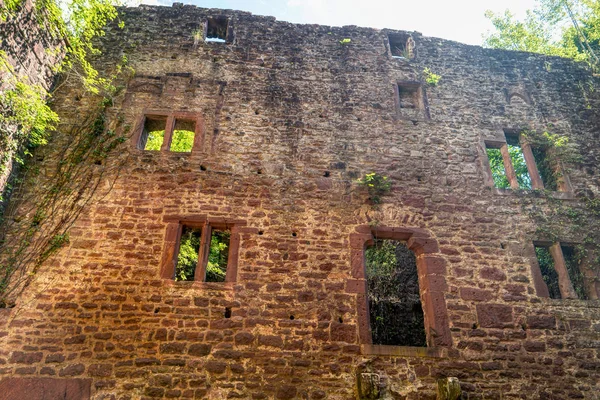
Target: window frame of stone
[
  {"x": 405, "y": 40},
  {"x": 171, "y": 119},
  {"x": 431, "y": 269},
  {"x": 173, "y": 233},
  {"x": 565, "y": 189},
  {"x": 567, "y": 291},
  {"x": 228, "y": 29},
  {"x": 421, "y": 105}
]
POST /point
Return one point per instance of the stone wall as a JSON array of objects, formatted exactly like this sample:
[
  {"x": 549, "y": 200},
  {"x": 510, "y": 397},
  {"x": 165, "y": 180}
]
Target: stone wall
[
  {"x": 288, "y": 118},
  {"x": 31, "y": 51}
]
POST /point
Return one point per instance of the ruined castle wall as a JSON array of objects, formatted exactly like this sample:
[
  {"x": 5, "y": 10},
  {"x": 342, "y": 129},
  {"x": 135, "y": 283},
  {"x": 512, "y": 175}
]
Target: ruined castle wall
[
  {"x": 32, "y": 52},
  {"x": 291, "y": 116}
]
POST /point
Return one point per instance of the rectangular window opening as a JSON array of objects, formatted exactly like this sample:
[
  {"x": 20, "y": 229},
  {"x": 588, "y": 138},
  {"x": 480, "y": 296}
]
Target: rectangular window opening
[
  {"x": 408, "y": 96},
  {"x": 216, "y": 268},
  {"x": 545, "y": 168},
  {"x": 573, "y": 258},
  {"x": 187, "y": 256},
  {"x": 395, "y": 310},
  {"x": 153, "y": 135},
  {"x": 518, "y": 161},
  {"x": 398, "y": 45},
  {"x": 216, "y": 29},
  {"x": 497, "y": 166},
  {"x": 183, "y": 136},
  {"x": 549, "y": 274}
]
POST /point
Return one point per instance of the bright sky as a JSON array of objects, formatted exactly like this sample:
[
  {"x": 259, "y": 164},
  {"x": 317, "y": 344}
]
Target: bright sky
[{"x": 460, "y": 20}]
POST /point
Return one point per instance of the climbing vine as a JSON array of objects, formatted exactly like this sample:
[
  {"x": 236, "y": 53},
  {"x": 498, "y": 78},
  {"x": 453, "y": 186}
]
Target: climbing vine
[
  {"x": 25, "y": 118},
  {"x": 43, "y": 214},
  {"x": 26, "y": 121}
]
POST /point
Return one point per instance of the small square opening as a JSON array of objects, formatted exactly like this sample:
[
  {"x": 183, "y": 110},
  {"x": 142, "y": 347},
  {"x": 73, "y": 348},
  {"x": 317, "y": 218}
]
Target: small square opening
[
  {"x": 182, "y": 139},
  {"x": 153, "y": 135},
  {"x": 187, "y": 256},
  {"x": 216, "y": 29},
  {"x": 395, "y": 310},
  {"x": 408, "y": 96},
  {"x": 399, "y": 45}
]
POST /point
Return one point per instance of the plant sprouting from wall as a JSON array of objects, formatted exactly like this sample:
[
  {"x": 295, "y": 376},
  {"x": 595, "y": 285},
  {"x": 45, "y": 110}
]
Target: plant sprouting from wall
[
  {"x": 431, "y": 78},
  {"x": 377, "y": 185}
]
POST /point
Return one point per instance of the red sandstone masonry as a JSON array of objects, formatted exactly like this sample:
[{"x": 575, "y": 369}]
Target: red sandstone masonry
[{"x": 291, "y": 118}]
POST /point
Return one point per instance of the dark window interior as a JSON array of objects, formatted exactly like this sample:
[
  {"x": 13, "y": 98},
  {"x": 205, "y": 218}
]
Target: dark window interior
[
  {"x": 398, "y": 45},
  {"x": 545, "y": 168},
  {"x": 572, "y": 258},
  {"x": 395, "y": 311},
  {"x": 408, "y": 96},
  {"x": 549, "y": 275},
  {"x": 216, "y": 29}
]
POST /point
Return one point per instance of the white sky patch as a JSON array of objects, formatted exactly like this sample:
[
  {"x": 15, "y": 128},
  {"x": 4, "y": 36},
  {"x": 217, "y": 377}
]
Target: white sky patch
[{"x": 460, "y": 20}]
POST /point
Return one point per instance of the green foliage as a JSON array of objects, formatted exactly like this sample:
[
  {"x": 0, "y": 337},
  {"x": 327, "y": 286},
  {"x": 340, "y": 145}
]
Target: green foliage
[
  {"x": 155, "y": 140},
  {"x": 22, "y": 106},
  {"x": 395, "y": 309},
  {"x": 187, "y": 258},
  {"x": 497, "y": 167},
  {"x": 32, "y": 238},
  {"x": 573, "y": 257},
  {"x": 79, "y": 22},
  {"x": 9, "y": 8},
  {"x": 549, "y": 275},
  {"x": 377, "y": 185},
  {"x": 549, "y": 29},
  {"x": 345, "y": 41},
  {"x": 218, "y": 256},
  {"x": 431, "y": 78},
  {"x": 381, "y": 259},
  {"x": 519, "y": 165},
  {"x": 182, "y": 141},
  {"x": 189, "y": 248},
  {"x": 25, "y": 119}
]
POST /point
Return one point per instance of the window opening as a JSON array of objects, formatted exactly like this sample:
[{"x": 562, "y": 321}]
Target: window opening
[
  {"x": 395, "y": 311},
  {"x": 497, "y": 166},
  {"x": 153, "y": 135},
  {"x": 187, "y": 256},
  {"x": 549, "y": 274},
  {"x": 216, "y": 29},
  {"x": 190, "y": 255},
  {"x": 573, "y": 258},
  {"x": 399, "y": 45},
  {"x": 408, "y": 96},
  {"x": 183, "y": 136},
  {"x": 545, "y": 168},
  {"x": 216, "y": 268},
  {"x": 518, "y": 161}
]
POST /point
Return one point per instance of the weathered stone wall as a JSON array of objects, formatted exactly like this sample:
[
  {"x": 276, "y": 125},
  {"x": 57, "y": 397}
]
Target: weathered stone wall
[
  {"x": 292, "y": 116},
  {"x": 31, "y": 51}
]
